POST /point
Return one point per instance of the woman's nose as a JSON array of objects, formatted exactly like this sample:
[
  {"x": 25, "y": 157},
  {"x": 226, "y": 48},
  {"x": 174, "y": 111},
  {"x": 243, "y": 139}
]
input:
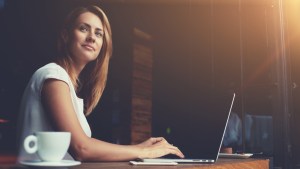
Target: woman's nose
[{"x": 90, "y": 39}]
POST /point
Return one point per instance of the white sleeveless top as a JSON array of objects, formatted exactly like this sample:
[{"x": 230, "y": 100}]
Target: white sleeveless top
[{"x": 33, "y": 117}]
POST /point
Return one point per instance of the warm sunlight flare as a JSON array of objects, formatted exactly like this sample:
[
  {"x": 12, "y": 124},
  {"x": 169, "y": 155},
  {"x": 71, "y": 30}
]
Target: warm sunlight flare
[{"x": 292, "y": 9}]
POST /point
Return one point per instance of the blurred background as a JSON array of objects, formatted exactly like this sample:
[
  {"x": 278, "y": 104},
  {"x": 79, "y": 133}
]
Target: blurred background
[{"x": 167, "y": 54}]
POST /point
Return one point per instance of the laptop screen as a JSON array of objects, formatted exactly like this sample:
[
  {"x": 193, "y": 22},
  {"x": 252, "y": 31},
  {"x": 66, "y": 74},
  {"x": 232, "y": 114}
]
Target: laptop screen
[{"x": 199, "y": 130}]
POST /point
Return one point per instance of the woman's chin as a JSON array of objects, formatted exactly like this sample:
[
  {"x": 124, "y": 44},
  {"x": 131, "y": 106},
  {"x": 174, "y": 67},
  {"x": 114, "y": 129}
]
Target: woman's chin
[{"x": 89, "y": 59}]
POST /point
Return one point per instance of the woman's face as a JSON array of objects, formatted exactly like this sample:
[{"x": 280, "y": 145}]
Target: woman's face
[{"x": 86, "y": 38}]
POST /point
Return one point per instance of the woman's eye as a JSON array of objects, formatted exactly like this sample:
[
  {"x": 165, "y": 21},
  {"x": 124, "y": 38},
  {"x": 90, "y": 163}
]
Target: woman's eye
[
  {"x": 83, "y": 28},
  {"x": 99, "y": 34}
]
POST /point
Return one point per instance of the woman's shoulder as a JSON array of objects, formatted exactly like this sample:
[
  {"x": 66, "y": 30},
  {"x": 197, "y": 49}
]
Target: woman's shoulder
[
  {"x": 51, "y": 70},
  {"x": 51, "y": 67}
]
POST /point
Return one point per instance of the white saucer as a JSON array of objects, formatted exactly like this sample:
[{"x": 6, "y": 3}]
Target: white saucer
[{"x": 62, "y": 163}]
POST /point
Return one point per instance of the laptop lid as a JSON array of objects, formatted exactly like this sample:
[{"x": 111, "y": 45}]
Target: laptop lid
[{"x": 199, "y": 131}]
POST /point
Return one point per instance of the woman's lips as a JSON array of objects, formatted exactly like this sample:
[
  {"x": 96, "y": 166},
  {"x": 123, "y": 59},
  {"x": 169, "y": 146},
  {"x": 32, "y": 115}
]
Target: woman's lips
[{"x": 89, "y": 47}]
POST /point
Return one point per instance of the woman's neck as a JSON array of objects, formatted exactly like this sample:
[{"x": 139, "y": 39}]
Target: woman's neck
[{"x": 78, "y": 68}]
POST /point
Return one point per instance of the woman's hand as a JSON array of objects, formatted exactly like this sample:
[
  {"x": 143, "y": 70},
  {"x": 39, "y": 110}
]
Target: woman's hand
[{"x": 157, "y": 147}]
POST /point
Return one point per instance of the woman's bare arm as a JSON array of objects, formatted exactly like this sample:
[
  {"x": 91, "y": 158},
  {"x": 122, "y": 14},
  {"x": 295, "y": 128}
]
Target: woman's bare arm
[{"x": 57, "y": 102}]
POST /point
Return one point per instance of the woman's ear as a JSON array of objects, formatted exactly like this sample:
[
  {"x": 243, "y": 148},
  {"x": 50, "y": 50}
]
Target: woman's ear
[{"x": 64, "y": 35}]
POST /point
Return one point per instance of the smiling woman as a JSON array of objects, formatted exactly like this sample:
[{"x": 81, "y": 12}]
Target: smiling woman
[
  {"x": 60, "y": 94},
  {"x": 86, "y": 39}
]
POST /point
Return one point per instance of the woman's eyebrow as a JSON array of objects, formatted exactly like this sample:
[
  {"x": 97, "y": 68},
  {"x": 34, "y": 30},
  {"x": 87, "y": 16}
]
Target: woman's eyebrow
[{"x": 99, "y": 29}]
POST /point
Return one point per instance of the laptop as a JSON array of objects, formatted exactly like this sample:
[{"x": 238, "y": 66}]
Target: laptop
[{"x": 200, "y": 134}]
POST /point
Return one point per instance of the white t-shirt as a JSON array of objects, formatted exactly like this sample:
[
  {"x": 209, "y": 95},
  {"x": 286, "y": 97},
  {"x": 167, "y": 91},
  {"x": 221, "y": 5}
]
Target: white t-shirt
[{"x": 33, "y": 117}]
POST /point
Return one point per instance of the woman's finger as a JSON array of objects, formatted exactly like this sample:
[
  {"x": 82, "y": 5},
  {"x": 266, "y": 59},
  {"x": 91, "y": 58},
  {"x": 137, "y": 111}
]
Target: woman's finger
[{"x": 176, "y": 151}]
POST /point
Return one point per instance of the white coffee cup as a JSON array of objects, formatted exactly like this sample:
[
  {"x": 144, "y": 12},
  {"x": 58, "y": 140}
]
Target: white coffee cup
[{"x": 50, "y": 146}]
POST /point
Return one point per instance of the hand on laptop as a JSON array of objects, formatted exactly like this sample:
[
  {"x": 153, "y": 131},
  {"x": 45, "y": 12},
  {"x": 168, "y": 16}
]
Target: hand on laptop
[{"x": 157, "y": 147}]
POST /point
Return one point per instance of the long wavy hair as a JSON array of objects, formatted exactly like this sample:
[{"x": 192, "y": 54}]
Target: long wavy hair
[{"x": 92, "y": 80}]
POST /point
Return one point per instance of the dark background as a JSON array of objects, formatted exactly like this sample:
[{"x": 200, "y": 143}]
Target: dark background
[{"x": 199, "y": 46}]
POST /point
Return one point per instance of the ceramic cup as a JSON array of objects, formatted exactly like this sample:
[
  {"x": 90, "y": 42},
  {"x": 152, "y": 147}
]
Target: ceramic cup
[{"x": 50, "y": 146}]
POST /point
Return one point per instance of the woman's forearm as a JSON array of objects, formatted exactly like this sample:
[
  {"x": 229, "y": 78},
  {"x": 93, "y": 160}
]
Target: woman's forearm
[{"x": 97, "y": 150}]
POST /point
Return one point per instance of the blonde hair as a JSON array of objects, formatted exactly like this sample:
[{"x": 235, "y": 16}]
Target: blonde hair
[{"x": 91, "y": 83}]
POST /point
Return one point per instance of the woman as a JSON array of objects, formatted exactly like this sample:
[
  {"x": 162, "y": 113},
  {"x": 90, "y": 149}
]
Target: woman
[{"x": 56, "y": 93}]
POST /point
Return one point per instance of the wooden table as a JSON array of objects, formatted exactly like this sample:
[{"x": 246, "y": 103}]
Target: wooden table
[{"x": 221, "y": 164}]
